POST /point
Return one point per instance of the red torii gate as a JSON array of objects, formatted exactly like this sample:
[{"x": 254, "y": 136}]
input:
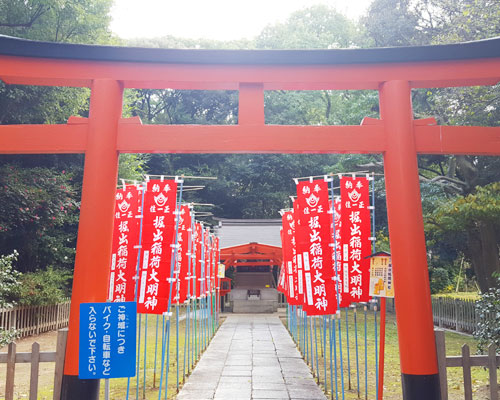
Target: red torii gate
[{"x": 391, "y": 71}]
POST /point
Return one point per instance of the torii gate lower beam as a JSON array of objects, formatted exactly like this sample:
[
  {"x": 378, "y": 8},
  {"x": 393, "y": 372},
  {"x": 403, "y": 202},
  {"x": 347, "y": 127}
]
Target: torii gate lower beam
[{"x": 396, "y": 135}]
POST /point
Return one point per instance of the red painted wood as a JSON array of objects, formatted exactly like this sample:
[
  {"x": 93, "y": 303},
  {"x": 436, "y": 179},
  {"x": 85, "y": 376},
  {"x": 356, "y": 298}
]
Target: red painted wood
[
  {"x": 250, "y": 139},
  {"x": 33, "y": 71},
  {"x": 37, "y": 139},
  {"x": 406, "y": 232},
  {"x": 95, "y": 229}
]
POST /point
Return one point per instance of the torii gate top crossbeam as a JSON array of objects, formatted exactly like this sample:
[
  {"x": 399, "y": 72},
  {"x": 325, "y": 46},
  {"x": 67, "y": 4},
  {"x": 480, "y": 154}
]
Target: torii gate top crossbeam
[
  {"x": 58, "y": 64},
  {"x": 251, "y": 72}
]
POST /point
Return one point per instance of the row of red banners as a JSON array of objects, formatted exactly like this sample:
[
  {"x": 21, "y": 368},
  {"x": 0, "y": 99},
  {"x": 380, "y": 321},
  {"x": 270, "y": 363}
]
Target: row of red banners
[
  {"x": 150, "y": 263},
  {"x": 325, "y": 247}
]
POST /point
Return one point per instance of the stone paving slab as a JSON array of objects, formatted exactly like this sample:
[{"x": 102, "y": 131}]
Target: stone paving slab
[{"x": 252, "y": 356}]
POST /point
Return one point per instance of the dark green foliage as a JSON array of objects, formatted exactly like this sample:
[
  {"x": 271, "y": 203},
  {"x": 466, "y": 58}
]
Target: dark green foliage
[
  {"x": 440, "y": 280},
  {"x": 39, "y": 194},
  {"x": 489, "y": 311},
  {"x": 9, "y": 280},
  {"x": 39, "y": 210},
  {"x": 50, "y": 286}
]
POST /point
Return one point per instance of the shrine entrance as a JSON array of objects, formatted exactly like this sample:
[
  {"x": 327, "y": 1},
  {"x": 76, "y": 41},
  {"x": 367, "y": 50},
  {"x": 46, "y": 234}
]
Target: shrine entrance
[
  {"x": 394, "y": 72},
  {"x": 251, "y": 253},
  {"x": 254, "y": 275}
]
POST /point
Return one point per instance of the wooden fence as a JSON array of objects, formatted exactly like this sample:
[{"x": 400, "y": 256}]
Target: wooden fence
[
  {"x": 456, "y": 314},
  {"x": 466, "y": 361},
  {"x": 11, "y": 358},
  {"x": 33, "y": 320}
]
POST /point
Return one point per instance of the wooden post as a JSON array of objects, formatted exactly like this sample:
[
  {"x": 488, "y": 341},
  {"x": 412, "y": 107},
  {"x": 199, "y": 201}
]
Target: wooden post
[
  {"x": 492, "y": 366},
  {"x": 11, "y": 371},
  {"x": 35, "y": 364},
  {"x": 62, "y": 336},
  {"x": 440, "y": 312},
  {"x": 466, "y": 372},
  {"x": 441, "y": 356}
]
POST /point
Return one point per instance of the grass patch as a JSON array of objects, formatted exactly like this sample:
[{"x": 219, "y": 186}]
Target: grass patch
[
  {"x": 149, "y": 365},
  {"x": 367, "y": 375},
  {"x": 460, "y": 295}
]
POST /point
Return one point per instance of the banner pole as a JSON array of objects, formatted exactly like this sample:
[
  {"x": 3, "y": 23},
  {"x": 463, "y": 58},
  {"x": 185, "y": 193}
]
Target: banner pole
[
  {"x": 347, "y": 345},
  {"x": 316, "y": 348},
  {"x": 177, "y": 342},
  {"x": 138, "y": 357},
  {"x": 356, "y": 343},
  {"x": 376, "y": 349},
  {"x": 330, "y": 354},
  {"x": 173, "y": 260},
  {"x": 145, "y": 355},
  {"x": 324, "y": 352},
  {"x": 334, "y": 328},
  {"x": 337, "y": 289},
  {"x": 365, "y": 309},
  {"x": 382, "y": 349}
]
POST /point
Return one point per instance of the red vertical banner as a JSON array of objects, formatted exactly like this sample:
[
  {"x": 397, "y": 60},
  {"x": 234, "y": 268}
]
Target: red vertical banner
[
  {"x": 216, "y": 263},
  {"x": 198, "y": 278},
  {"x": 206, "y": 261},
  {"x": 289, "y": 258},
  {"x": 355, "y": 233},
  {"x": 158, "y": 236},
  {"x": 182, "y": 259},
  {"x": 125, "y": 248},
  {"x": 297, "y": 259},
  {"x": 339, "y": 274},
  {"x": 313, "y": 244},
  {"x": 281, "y": 287}
]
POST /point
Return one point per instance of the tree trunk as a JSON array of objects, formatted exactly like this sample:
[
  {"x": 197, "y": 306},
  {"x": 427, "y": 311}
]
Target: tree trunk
[{"x": 484, "y": 254}]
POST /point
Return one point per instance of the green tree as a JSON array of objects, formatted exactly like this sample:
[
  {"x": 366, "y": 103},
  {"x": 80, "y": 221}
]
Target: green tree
[
  {"x": 316, "y": 27},
  {"x": 456, "y": 179},
  {"x": 40, "y": 193},
  {"x": 392, "y": 23},
  {"x": 39, "y": 210},
  {"x": 477, "y": 217},
  {"x": 9, "y": 280},
  {"x": 488, "y": 308},
  {"x": 258, "y": 186}
]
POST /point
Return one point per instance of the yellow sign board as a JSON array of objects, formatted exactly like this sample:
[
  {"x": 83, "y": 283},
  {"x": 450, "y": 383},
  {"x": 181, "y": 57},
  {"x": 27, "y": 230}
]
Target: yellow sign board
[
  {"x": 381, "y": 278},
  {"x": 221, "y": 272}
]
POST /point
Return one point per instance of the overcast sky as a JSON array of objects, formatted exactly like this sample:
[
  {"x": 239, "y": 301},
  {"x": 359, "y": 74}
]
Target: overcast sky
[{"x": 212, "y": 19}]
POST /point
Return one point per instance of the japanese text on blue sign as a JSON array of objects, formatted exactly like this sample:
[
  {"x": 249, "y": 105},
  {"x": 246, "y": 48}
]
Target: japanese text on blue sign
[{"x": 107, "y": 340}]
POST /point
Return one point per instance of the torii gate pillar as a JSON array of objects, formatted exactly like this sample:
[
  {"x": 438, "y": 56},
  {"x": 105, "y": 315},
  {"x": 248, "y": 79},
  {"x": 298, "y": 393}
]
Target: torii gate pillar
[
  {"x": 419, "y": 371},
  {"x": 95, "y": 229}
]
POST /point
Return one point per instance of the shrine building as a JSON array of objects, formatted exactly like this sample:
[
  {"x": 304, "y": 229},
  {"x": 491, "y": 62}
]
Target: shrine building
[{"x": 251, "y": 253}]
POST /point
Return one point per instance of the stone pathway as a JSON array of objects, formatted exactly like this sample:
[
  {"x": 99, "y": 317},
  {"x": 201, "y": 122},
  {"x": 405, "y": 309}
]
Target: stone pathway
[{"x": 252, "y": 356}]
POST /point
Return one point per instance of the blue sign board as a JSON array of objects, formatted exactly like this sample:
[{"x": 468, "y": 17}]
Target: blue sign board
[{"x": 107, "y": 340}]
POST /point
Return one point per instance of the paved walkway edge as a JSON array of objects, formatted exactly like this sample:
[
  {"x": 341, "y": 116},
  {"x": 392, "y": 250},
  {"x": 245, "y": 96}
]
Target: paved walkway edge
[{"x": 252, "y": 356}]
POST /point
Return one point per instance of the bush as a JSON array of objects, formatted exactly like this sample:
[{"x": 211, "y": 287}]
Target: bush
[
  {"x": 45, "y": 287},
  {"x": 488, "y": 330},
  {"x": 439, "y": 280},
  {"x": 7, "y": 336},
  {"x": 9, "y": 280}
]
